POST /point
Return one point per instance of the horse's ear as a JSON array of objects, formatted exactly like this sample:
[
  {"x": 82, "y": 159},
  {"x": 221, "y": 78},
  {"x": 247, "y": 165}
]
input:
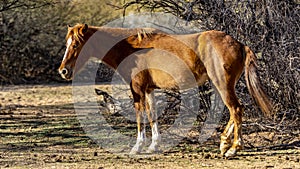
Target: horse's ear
[
  {"x": 69, "y": 27},
  {"x": 84, "y": 28}
]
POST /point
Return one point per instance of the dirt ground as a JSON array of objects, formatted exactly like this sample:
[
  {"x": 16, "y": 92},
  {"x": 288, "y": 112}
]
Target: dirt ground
[{"x": 39, "y": 129}]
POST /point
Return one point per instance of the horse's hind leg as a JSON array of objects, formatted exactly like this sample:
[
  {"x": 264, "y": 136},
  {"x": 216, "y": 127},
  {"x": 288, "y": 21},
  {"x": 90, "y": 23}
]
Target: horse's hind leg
[
  {"x": 225, "y": 88},
  {"x": 152, "y": 117},
  {"x": 225, "y": 143},
  {"x": 233, "y": 125}
]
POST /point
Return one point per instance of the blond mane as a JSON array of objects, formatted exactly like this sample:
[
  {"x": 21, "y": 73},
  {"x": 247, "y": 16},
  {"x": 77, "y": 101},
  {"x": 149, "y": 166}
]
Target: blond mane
[{"x": 144, "y": 33}]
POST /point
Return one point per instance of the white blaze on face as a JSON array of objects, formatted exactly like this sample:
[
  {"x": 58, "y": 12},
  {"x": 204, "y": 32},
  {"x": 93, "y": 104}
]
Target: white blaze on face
[{"x": 69, "y": 42}]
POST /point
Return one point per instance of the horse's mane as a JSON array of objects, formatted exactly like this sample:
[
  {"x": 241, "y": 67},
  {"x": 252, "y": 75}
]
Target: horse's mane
[
  {"x": 143, "y": 33},
  {"x": 140, "y": 33}
]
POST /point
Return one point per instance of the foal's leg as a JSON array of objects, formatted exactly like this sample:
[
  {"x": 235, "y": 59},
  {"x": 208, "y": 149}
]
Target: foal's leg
[{"x": 152, "y": 117}]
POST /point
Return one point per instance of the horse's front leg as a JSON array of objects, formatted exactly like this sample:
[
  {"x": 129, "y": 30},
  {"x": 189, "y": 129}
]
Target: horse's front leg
[
  {"x": 152, "y": 117},
  {"x": 141, "y": 128}
]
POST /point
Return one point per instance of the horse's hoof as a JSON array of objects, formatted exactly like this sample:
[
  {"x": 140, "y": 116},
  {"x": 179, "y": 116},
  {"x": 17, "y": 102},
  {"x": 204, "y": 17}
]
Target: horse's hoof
[
  {"x": 135, "y": 150},
  {"x": 224, "y": 148},
  {"x": 153, "y": 150},
  {"x": 231, "y": 153}
]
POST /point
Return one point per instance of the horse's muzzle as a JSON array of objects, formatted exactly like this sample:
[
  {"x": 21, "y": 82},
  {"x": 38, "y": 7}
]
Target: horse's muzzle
[{"x": 66, "y": 73}]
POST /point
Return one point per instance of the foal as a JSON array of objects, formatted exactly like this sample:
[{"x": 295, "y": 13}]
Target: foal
[{"x": 208, "y": 55}]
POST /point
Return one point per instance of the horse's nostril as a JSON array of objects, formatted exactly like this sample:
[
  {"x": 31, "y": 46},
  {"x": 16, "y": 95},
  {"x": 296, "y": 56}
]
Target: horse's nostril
[{"x": 64, "y": 71}]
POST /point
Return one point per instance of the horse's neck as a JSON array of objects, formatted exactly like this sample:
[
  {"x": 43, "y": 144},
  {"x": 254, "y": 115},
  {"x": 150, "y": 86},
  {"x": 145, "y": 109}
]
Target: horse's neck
[{"x": 110, "y": 44}]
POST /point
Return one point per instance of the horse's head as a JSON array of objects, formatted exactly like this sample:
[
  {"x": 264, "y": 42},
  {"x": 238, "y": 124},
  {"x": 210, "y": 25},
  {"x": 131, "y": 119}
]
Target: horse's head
[{"x": 76, "y": 38}]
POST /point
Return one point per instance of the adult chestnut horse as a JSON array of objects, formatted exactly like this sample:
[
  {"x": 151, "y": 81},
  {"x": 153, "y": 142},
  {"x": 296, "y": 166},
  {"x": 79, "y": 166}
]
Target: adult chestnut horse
[{"x": 208, "y": 55}]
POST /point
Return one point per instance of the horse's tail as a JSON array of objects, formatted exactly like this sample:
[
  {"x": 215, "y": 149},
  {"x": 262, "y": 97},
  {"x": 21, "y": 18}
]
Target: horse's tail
[{"x": 254, "y": 85}]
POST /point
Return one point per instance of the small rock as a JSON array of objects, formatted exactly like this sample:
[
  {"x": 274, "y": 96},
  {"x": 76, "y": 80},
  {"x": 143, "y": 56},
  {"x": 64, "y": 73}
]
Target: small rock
[
  {"x": 207, "y": 156},
  {"x": 58, "y": 160}
]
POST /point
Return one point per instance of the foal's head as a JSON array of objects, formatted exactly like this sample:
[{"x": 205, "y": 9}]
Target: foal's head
[{"x": 76, "y": 38}]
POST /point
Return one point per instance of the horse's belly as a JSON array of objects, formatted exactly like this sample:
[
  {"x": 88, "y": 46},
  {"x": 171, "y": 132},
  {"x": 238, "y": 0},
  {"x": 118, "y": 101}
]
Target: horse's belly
[
  {"x": 184, "y": 80},
  {"x": 169, "y": 71}
]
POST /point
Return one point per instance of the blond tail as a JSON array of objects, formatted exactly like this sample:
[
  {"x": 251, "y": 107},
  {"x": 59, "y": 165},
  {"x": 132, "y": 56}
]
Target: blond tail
[{"x": 254, "y": 85}]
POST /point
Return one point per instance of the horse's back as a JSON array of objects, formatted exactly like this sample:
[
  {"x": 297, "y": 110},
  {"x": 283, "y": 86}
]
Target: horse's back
[{"x": 182, "y": 61}]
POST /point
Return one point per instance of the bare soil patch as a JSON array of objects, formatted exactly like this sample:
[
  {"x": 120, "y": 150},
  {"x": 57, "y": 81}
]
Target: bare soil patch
[{"x": 39, "y": 129}]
